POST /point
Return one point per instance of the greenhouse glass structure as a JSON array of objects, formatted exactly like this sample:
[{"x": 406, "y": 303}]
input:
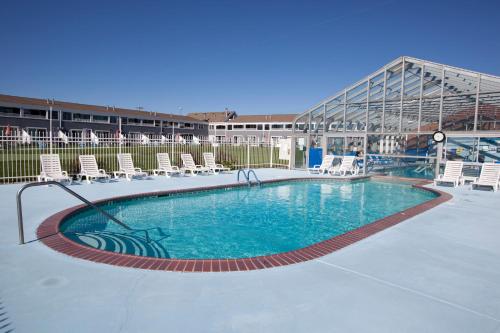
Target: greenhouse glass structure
[{"x": 390, "y": 116}]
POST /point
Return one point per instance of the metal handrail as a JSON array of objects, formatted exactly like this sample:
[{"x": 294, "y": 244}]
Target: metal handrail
[
  {"x": 73, "y": 193},
  {"x": 247, "y": 176},
  {"x": 255, "y": 176}
]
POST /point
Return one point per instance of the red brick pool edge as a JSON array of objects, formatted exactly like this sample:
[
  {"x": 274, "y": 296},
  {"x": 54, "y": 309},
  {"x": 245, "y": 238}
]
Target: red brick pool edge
[{"x": 48, "y": 233}]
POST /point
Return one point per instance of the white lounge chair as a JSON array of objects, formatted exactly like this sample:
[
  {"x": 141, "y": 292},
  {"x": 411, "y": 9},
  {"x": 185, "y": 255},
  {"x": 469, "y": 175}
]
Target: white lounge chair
[
  {"x": 51, "y": 169},
  {"x": 191, "y": 167},
  {"x": 325, "y": 165},
  {"x": 452, "y": 174},
  {"x": 489, "y": 177},
  {"x": 164, "y": 166},
  {"x": 90, "y": 170},
  {"x": 127, "y": 168},
  {"x": 211, "y": 165},
  {"x": 348, "y": 164}
]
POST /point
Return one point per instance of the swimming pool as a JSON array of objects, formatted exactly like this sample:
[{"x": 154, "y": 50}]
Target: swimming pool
[
  {"x": 411, "y": 172},
  {"x": 240, "y": 222}
]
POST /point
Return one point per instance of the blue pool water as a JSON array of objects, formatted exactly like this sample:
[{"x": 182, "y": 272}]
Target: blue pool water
[
  {"x": 241, "y": 222},
  {"x": 411, "y": 172}
]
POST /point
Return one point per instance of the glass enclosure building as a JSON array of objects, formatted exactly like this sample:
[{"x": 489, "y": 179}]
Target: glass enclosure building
[{"x": 390, "y": 116}]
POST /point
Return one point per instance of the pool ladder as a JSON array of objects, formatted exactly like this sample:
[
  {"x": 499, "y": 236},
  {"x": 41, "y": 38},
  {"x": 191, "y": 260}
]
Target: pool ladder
[
  {"x": 247, "y": 174},
  {"x": 73, "y": 193}
]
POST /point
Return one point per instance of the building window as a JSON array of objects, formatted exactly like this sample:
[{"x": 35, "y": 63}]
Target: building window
[
  {"x": 277, "y": 126},
  {"x": 67, "y": 116},
  {"x": 266, "y": 127},
  {"x": 220, "y": 138},
  {"x": 220, "y": 127},
  {"x": 10, "y": 112},
  {"x": 259, "y": 127},
  {"x": 112, "y": 120},
  {"x": 275, "y": 140},
  {"x": 102, "y": 134},
  {"x": 148, "y": 122},
  {"x": 100, "y": 119},
  {"x": 230, "y": 127},
  {"x": 237, "y": 139},
  {"x": 32, "y": 113},
  {"x": 251, "y": 126},
  {"x": 55, "y": 114},
  {"x": 252, "y": 139},
  {"x": 289, "y": 126},
  {"x": 237, "y": 127},
  {"x": 35, "y": 131},
  {"x": 81, "y": 117},
  {"x": 133, "y": 121},
  {"x": 76, "y": 134}
]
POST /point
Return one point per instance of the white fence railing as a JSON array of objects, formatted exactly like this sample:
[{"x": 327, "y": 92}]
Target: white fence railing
[{"x": 20, "y": 156}]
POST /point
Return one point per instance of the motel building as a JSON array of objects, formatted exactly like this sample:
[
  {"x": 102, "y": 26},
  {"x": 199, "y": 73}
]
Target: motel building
[
  {"x": 229, "y": 127},
  {"x": 36, "y": 117}
]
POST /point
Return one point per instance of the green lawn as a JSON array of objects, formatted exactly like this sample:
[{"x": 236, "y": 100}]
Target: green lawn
[{"x": 21, "y": 163}]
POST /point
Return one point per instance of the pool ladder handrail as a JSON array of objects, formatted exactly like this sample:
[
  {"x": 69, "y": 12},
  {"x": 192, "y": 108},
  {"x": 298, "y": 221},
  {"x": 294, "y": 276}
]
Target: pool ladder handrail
[
  {"x": 73, "y": 193},
  {"x": 247, "y": 176}
]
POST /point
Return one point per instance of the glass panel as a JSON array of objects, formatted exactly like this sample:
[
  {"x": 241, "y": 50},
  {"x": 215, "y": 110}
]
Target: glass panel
[
  {"x": 458, "y": 112},
  {"x": 463, "y": 149},
  {"x": 489, "y": 150},
  {"x": 430, "y": 114},
  {"x": 489, "y": 112},
  {"x": 300, "y": 153},
  {"x": 335, "y": 146}
]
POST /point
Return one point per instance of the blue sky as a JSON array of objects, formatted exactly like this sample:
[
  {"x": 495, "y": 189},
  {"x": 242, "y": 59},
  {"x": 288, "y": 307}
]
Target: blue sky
[{"x": 251, "y": 56}]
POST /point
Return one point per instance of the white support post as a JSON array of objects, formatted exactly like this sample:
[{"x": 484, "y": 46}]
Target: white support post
[
  {"x": 421, "y": 96},
  {"x": 50, "y": 128},
  {"x": 402, "y": 96},
  {"x": 441, "y": 101},
  {"x": 271, "y": 157},
  {"x": 476, "y": 112},
  {"x": 119, "y": 133},
  {"x": 382, "y": 125},
  {"x": 248, "y": 154},
  {"x": 439, "y": 155}
]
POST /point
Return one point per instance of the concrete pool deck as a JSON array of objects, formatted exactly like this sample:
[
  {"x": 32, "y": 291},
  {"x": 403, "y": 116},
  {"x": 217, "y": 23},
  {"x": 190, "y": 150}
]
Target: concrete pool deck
[{"x": 436, "y": 272}]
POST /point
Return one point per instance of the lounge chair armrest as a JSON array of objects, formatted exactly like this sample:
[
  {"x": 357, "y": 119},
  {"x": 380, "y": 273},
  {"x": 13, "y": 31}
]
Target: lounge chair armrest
[
  {"x": 102, "y": 171},
  {"x": 219, "y": 165},
  {"x": 138, "y": 169},
  {"x": 175, "y": 167},
  {"x": 65, "y": 173},
  {"x": 199, "y": 166}
]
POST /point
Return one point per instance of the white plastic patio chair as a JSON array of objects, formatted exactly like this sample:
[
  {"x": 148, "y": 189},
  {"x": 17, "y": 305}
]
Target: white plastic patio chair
[
  {"x": 489, "y": 177},
  {"x": 191, "y": 167},
  {"x": 164, "y": 166},
  {"x": 90, "y": 170},
  {"x": 127, "y": 168},
  {"x": 325, "y": 165},
  {"x": 452, "y": 174},
  {"x": 51, "y": 169},
  {"x": 211, "y": 165},
  {"x": 348, "y": 165}
]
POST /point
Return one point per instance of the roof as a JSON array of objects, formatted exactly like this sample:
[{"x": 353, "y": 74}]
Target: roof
[
  {"x": 213, "y": 116},
  {"x": 108, "y": 110},
  {"x": 219, "y": 117},
  {"x": 422, "y": 81},
  {"x": 265, "y": 118}
]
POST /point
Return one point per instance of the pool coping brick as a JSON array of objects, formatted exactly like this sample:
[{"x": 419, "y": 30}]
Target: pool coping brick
[{"x": 49, "y": 234}]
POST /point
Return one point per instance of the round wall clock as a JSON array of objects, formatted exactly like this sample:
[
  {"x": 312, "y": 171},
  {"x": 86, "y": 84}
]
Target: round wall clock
[{"x": 438, "y": 136}]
